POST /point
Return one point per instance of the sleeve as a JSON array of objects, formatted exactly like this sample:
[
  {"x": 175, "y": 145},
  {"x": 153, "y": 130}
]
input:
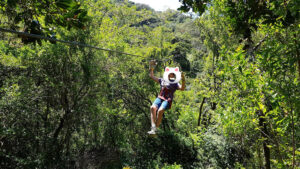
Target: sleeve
[
  {"x": 178, "y": 86},
  {"x": 159, "y": 80}
]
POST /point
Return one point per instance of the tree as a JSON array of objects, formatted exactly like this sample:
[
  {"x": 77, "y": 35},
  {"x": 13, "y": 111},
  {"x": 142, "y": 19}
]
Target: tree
[{"x": 43, "y": 17}]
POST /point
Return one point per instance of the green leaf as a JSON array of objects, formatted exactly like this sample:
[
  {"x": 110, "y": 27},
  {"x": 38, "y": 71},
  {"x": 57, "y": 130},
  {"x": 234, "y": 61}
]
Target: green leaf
[
  {"x": 269, "y": 146},
  {"x": 240, "y": 69},
  {"x": 66, "y": 4}
]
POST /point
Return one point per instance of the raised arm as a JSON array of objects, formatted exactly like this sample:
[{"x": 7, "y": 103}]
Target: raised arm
[
  {"x": 182, "y": 87},
  {"x": 151, "y": 74}
]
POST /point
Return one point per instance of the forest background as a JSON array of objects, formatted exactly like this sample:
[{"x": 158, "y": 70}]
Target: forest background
[{"x": 65, "y": 106}]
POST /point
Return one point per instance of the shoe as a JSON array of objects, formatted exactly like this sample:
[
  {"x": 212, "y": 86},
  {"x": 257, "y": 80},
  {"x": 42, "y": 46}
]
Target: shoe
[{"x": 152, "y": 131}]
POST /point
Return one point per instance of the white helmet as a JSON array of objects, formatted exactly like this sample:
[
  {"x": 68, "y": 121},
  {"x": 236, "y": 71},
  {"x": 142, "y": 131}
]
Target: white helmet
[{"x": 177, "y": 73}]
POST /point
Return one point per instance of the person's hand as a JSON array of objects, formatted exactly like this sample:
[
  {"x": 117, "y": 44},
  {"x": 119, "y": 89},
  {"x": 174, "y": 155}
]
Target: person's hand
[
  {"x": 152, "y": 64},
  {"x": 182, "y": 76}
]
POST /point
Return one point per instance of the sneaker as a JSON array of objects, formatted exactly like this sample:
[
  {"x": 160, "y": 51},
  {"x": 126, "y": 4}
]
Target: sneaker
[{"x": 152, "y": 131}]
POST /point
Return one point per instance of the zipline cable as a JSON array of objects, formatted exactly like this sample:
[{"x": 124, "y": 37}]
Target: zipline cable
[
  {"x": 62, "y": 41},
  {"x": 75, "y": 43}
]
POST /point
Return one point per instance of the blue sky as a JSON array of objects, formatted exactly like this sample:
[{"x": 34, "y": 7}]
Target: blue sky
[{"x": 160, "y": 5}]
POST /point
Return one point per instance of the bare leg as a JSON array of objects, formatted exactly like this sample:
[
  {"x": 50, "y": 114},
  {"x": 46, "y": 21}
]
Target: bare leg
[
  {"x": 153, "y": 110},
  {"x": 159, "y": 117}
]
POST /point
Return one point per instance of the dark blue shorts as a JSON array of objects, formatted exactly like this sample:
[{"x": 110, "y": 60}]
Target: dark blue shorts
[{"x": 164, "y": 104}]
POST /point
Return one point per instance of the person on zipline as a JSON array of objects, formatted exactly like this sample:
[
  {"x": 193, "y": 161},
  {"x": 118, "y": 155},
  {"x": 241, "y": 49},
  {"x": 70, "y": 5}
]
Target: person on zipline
[{"x": 168, "y": 85}]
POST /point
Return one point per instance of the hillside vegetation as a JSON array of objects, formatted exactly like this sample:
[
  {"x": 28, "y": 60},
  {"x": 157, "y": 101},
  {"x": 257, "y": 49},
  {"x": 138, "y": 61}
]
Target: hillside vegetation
[{"x": 68, "y": 106}]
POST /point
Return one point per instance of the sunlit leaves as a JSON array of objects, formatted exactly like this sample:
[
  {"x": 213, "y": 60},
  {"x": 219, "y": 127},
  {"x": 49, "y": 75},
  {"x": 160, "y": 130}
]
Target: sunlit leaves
[{"x": 66, "y": 4}]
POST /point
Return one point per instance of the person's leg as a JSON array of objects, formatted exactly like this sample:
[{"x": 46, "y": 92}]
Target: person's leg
[
  {"x": 164, "y": 106},
  {"x": 156, "y": 104},
  {"x": 153, "y": 110}
]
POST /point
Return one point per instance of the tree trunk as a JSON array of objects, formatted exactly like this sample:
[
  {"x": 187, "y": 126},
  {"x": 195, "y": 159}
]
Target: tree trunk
[
  {"x": 293, "y": 140},
  {"x": 259, "y": 157},
  {"x": 200, "y": 110},
  {"x": 297, "y": 54},
  {"x": 264, "y": 135},
  {"x": 65, "y": 105}
]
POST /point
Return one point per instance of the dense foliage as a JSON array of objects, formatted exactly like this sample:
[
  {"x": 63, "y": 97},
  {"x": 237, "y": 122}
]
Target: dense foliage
[{"x": 65, "y": 106}]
